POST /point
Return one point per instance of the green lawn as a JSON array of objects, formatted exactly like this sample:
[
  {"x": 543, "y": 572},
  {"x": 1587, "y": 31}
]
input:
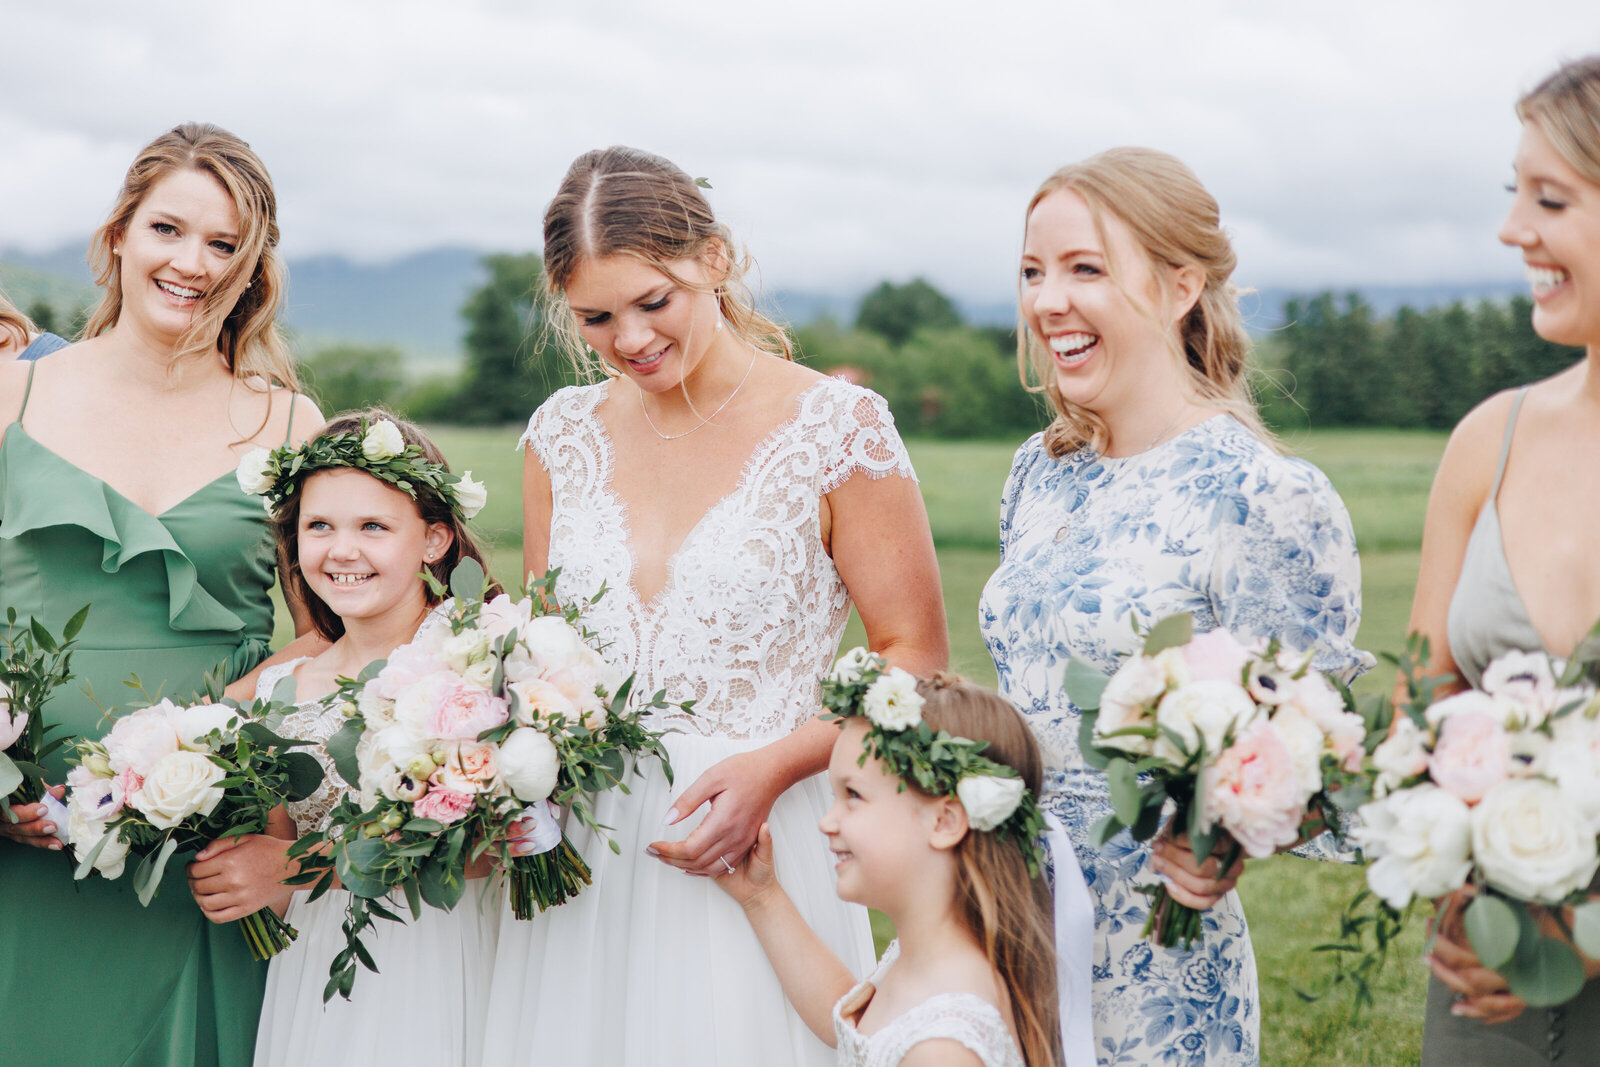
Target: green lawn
[{"x": 1384, "y": 478}]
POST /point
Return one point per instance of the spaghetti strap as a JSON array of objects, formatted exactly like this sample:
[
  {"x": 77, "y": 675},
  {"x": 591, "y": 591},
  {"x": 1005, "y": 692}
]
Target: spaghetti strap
[
  {"x": 288, "y": 433},
  {"x": 33, "y": 365},
  {"x": 1505, "y": 447}
]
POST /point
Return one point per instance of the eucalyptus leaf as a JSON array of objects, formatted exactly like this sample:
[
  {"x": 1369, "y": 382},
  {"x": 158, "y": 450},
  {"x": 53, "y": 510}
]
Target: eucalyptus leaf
[
  {"x": 466, "y": 581},
  {"x": 1084, "y": 685},
  {"x": 341, "y": 748},
  {"x": 1170, "y": 632},
  {"x": 1124, "y": 783},
  {"x": 304, "y": 773},
  {"x": 1093, "y": 756},
  {"x": 147, "y": 879},
  {"x": 350, "y": 862},
  {"x": 284, "y": 692},
  {"x": 262, "y": 734},
  {"x": 1586, "y": 928},
  {"x": 1549, "y": 973},
  {"x": 371, "y": 670},
  {"x": 440, "y": 887},
  {"x": 1492, "y": 927},
  {"x": 87, "y": 863},
  {"x": 10, "y": 776}
]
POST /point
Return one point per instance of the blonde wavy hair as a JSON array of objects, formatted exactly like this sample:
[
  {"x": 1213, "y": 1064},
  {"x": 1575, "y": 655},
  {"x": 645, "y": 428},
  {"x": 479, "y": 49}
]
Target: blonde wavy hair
[
  {"x": 624, "y": 201},
  {"x": 1175, "y": 222},
  {"x": 1566, "y": 109},
  {"x": 239, "y": 314},
  {"x": 13, "y": 319}
]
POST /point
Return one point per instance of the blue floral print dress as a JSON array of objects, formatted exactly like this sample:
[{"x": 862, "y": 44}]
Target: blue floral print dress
[{"x": 1212, "y": 522}]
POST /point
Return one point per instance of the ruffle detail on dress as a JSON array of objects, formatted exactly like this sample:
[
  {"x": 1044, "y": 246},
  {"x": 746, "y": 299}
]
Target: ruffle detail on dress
[{"x": 77, "y": 498}]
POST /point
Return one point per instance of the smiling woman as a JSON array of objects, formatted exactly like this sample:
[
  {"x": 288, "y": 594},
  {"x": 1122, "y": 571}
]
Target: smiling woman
[{"x": 117, "y": 489}]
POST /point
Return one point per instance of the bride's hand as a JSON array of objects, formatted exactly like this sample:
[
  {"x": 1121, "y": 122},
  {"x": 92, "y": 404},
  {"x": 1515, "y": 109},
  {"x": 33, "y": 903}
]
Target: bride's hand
[
  {"x": 32, "y": 826},
  {"x": 741, "y": 790}
]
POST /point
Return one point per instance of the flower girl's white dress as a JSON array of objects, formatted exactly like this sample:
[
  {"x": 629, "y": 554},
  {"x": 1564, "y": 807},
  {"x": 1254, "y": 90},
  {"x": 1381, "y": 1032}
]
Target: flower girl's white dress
[
  {"x": 649, "y": 965},
  {"x": 961, "y": 1017},
  {"x": 426, "y": 1003}
]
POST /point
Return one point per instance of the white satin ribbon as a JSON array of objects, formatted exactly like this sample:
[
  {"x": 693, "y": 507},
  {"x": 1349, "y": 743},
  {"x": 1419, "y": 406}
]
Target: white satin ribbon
[
  {"x": 544, "y": 832},
  {"x": 56, "y": 812},
  {"x": 1074, "y": 947}
]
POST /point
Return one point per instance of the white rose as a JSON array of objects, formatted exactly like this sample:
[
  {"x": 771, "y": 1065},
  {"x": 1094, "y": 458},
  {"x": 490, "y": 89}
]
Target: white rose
[
  {"x": 113, "y": 857},
  {"x": 848, "y": 668},
  {"x": 382, "y": 441},
  {"x": 480, "y": 673},
  {"x": 471, "y": 495},
  {"x": 377, "y": 711},
  {"x": 537, "y": 699},
  {"x": 1469, "y": 700},
  {"x": 193, "y": 724},
  {"x": 1419, "y": 842},
  {"x": 502, "y": 615},
  {"x": 1572, "y": 759},
  {"x": 138, "y": 741},
  {"x": 1175, "y": 666},
  {"x": 1202, "y": 712},
  {"x": 181, "y": 785},
  {"x": 1402, "y": 755},
  {"x": 989, "y": 800},
  {"x": 1127, "y": 701},
  {"x": 1305, "y": 744},
  {"x": 892, "y": 701},
  {"x": 252, "y": 472},
  {"x": 529, "y": 764},
  {"x": 1531, "y": 843},
  {"x": 464, "y": 649},
  {"x": 547, "y": 642}
]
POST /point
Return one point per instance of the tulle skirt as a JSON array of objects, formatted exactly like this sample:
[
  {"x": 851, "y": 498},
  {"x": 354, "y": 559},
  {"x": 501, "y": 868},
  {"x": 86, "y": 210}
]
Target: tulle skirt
[
  {"x": 425, "y": 1005},
  {"x": 652, "y": 967}
]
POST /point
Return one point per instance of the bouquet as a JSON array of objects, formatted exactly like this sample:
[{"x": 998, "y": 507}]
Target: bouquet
[
  {"x": 170, "y": 777},
  {"x": 32, "y": 665},
  {"x": 1497, "y": 789},
  {"x": 488, "y": 717},
  {"x": 1249, "y": 744}
]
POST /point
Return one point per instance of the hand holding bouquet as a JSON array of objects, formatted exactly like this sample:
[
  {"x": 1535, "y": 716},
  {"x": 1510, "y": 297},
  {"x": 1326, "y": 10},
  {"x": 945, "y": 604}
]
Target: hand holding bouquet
[
  {"x": 1497, "y": 789},
  {"x": 490, "y": 715},
  {"x": 1249, "y": 744},
  {"x": 169, "y": 777},
  {"x": 32, "y": 664}
]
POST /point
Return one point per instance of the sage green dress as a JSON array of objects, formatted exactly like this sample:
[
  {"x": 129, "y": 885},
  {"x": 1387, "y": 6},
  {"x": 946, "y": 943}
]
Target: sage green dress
[{"x": 87, "y": 976}]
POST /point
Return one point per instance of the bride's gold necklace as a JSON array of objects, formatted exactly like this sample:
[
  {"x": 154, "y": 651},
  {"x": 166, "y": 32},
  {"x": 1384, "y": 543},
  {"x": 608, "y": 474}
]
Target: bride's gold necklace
[{"x": 674, "y": 436}]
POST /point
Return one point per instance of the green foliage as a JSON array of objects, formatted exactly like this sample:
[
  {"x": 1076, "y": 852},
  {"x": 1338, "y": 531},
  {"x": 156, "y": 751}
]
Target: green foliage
[
  {"x": 350, "y": 377},
  {"x": 1416, "y": 369},
  {"x": 33, "y": 664},
  {"x": 895, "y": 312},
  {"x": 44, "y": 317},
  {"x": 510, "y": 370}
]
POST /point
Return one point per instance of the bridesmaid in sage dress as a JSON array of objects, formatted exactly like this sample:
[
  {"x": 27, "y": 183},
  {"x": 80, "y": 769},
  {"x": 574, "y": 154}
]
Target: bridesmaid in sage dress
[
  {"x": 117, "y": 488},
  {"x": 1509, "y": 549}
]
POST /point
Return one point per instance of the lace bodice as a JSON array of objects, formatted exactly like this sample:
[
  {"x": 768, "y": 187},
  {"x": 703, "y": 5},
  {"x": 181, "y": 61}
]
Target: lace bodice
[
  {"x": 962, "y": 1017},
  {"x": 314, "y": 720},
  {"x": 753, "y": 607}
]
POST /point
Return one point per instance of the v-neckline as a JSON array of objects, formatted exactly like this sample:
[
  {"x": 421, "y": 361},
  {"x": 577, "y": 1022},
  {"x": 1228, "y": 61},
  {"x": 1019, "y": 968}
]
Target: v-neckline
[
  {"x": 1493, "y": 510},
  {"x": 670, "y": 564},
  {"x": 158, "y": 516}
]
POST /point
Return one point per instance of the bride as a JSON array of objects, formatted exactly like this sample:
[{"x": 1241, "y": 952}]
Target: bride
[{"x": 734, "y": 504}]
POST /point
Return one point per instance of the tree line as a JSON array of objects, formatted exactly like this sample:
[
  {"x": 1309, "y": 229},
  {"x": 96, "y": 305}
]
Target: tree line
[{"x": 1334, "y": 363}]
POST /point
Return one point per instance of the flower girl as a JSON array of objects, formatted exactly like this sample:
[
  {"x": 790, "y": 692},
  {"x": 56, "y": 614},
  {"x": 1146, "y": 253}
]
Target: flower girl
[
  {"x": 935, "y": 823},
  {"x": 359, "y": 511}
]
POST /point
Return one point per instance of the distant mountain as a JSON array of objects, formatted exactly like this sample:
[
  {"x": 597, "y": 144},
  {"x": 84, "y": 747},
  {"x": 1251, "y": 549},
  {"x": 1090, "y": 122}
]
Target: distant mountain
[{"x": 414, "y": 302}]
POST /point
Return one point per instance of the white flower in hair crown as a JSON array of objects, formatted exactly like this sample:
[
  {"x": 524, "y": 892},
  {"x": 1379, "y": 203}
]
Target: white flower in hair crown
[
  {"x": 378, "y": 448},
  {"x": 863, "y": 685}
]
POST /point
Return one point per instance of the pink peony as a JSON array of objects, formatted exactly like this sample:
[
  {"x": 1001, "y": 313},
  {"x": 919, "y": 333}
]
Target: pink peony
[
  {"x": 447, "y": 707},
  {"x": 1216, "y": 657},
  {"x": 443, "y": 805},
  {"x": 469, "y": 767},
  {"x": 408, "y": 665},
  {"x": 1251, "y": 790},
  {"x": 140, "y": 740},
  {"x": 1472, "y": 755}
]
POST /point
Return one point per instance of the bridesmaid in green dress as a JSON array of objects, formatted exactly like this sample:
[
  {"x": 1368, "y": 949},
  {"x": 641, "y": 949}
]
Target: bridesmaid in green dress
[{"x": 117, "y": 488}]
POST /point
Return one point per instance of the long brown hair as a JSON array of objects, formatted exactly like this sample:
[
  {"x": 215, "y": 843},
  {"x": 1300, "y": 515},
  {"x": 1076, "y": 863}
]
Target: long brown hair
[
  {"x": 432, "y": 509},
  {"x": 1566, "y": 109},
  {"x": 1009, "y": 913},
  {"x": 1175, "y": 222},
  {"x": 623, "y": 201},
  {"x": 239, "y": 314}
]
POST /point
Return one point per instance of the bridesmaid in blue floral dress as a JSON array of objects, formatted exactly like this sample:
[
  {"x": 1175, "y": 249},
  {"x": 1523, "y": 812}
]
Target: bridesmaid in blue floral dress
[{"x": 1155, "y": 490}]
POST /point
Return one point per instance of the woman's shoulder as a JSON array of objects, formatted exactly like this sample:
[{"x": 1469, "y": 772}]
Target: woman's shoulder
[
  {"x": 1257, "y": 465},
  {"x": 562, "y": 408}
]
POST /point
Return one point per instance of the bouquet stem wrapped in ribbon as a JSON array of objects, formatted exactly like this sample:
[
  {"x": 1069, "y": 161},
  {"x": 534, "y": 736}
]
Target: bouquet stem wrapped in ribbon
[
  {"x": 170, "y": 778},
  {"x": 32, "y": 665},
  {"x": 1248, "y": 745},
  {"x": 460, "y": 740}
]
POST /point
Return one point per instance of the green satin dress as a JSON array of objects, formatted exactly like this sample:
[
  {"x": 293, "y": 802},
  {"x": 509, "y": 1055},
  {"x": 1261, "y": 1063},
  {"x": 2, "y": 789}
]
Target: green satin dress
[{"x": 87, "y": 976}]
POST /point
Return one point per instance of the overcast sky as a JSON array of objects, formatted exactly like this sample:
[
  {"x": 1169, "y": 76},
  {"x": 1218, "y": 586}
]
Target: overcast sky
[{"x": 846, "y": 140}]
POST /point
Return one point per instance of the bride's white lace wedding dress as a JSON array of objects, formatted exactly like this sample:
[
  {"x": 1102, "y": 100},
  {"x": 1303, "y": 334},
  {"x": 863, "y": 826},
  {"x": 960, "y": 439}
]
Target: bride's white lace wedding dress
[
  {"x": 426, "y": 1003},
  {"x": 649, "y": 965}
]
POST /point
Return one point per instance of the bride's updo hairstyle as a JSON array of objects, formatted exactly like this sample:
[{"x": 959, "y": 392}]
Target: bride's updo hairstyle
[
  {"x": 1006, "y": 910},
  {"x": 1175, "y": 222},
  {"x": 1566, "y": 109},
  {"x": 239, "y": 313},
  {"x": 625, "y": 202}
]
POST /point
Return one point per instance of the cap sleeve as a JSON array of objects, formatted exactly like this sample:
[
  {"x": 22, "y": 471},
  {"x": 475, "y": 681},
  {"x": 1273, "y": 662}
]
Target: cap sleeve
[{"x": 864, "y": 439}]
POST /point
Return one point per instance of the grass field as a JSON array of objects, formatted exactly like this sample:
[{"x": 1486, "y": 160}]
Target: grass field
[{"x": 1292, "y": 903}]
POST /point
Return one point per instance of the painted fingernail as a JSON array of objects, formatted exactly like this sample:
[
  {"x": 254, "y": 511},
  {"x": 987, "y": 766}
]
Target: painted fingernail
[
  {"x": 651, "y": 850},
  {"x": 671, "y": 817},
  {"x": 48, "y": 828},
  {"x": 55, "y": 846}
]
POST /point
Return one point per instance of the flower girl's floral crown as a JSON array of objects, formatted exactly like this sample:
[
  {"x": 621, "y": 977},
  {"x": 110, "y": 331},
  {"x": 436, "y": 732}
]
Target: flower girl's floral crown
[
  {"x": 378, "y": 449},
  {"x": 863, "y": 685}
]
